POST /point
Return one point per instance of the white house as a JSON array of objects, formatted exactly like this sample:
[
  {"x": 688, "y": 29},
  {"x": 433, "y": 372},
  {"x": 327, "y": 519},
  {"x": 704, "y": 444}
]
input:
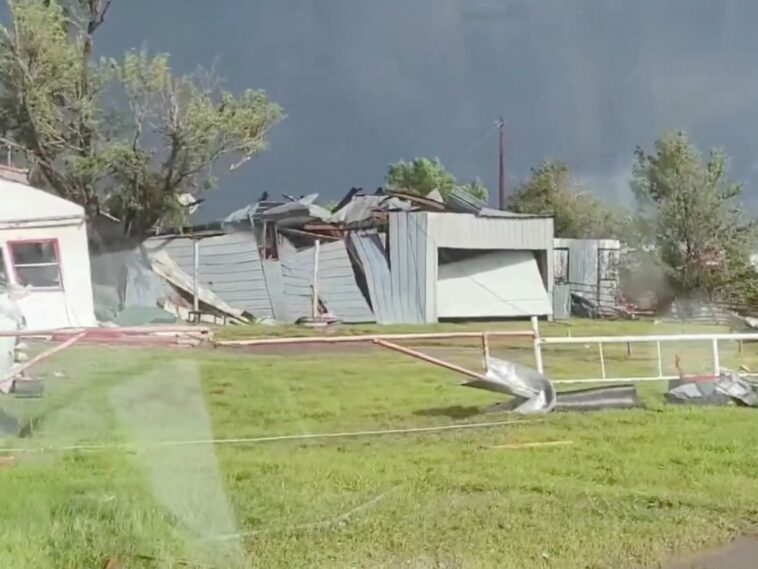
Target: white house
[{"x": 44, "y": 248}]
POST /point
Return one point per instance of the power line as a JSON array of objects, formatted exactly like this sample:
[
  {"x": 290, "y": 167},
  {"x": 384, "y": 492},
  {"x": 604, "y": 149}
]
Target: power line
[{"x": 255, "y": 440}]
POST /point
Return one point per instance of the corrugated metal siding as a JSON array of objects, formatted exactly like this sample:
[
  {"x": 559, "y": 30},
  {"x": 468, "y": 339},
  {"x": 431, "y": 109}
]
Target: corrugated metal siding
[
  {"x": 229, "y": 265},
  {"x": 338, "y": 288},
  {"x": 411, "y": 258},
  {"x": 561, "y": 302},
  {"x": 701, "y": 312},
  {"x": 297, "y": 286},
  {"x": 272, "y": 272},
  {"x": 585, "y": 274},
  {"x": 463, "y": 231},
  {"x": 370, "y": 251}
]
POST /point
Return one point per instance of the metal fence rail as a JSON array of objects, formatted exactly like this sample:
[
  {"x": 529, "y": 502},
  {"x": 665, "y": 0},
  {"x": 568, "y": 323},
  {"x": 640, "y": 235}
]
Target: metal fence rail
[{"x": 713, "y": 340}]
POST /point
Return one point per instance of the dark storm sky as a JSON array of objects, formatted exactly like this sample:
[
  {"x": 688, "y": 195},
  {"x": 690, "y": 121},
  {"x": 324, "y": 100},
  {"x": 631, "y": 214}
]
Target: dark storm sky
[{"x": 367, "y": 82}]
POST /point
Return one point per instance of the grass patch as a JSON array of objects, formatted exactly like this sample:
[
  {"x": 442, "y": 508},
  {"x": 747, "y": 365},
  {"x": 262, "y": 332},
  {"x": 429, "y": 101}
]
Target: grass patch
[{"x": 634, "y": 488}]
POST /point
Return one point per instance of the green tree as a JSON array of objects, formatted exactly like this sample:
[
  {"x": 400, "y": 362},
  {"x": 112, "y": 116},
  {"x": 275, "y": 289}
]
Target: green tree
[
  {"x": 424, "y": 175},
  {"x": 126, "y": 136},
  {"x": 551, "y": 189},
  {"x": 690, "y": 216}
]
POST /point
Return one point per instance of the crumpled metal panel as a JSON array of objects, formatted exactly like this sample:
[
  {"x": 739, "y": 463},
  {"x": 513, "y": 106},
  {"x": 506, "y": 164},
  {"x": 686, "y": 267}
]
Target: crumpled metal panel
[
  {"x": 370, "y": 252},
  {"x": 719, "y": 391},
  {"x": 362, "y": 208},
  {"x": 534, "y": 393}
]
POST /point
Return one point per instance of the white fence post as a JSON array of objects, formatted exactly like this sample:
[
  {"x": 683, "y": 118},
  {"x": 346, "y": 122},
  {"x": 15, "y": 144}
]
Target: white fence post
[
  {"x": 660, "y": 359},
  {"x": 537, "y": 344},
  {"x": 657, "y": 339},
  {"x": 195, "y": 277}
]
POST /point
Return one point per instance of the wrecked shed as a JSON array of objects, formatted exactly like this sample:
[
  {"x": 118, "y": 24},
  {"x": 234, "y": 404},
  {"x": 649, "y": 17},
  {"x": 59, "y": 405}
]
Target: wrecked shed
[
  {"x": 233, "y": 267},
  {"x": 44, "y": 248},
  {"x": 464, "y": 266}
]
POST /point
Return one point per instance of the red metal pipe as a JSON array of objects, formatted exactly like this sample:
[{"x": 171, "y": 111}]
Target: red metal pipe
[
  {"x": 373, "y": 338},
  {"x": 8, "y": 378},
  {"x": 106, "y": 332},
  {"x": 429, "y": 359}
]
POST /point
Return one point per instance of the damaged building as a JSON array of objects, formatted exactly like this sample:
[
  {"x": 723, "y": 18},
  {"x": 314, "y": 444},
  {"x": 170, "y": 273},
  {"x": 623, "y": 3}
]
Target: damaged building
[
  {"x": 388, "y": 258},
  {"x": 44, "y": 255}
]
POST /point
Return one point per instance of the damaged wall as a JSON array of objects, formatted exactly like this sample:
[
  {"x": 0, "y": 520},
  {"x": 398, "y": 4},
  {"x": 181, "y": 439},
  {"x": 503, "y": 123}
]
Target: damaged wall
[
  {"x": 337, "y": 285},
  {"x": 370, "y": 250},
  {"x": 416, "y": 237},
  {"x": 589, "y": 267},
  {"x": 229, "y": 265}
]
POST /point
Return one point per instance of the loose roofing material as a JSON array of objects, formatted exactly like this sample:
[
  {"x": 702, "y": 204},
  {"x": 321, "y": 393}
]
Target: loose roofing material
[
  {"x": 294, "y": 214},
  {"x": 461, "y": 201},
  {"x": 337, "y": 286},
  {"x": 361, "y": 208},
  {"x": 370, "y": 252},
  {"x": 22, "y": 203},
  {"x": 229, "y": 265}
]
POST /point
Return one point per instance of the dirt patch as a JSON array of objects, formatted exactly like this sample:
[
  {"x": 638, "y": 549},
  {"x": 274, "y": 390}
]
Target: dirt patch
[{"x": 741, "y": 554}]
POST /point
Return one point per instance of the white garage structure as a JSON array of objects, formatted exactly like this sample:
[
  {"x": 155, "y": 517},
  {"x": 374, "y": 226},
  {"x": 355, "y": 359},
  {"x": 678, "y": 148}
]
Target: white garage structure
[
  {"x": 44, "y": 248},
  {"x": 464, "y": 266}
]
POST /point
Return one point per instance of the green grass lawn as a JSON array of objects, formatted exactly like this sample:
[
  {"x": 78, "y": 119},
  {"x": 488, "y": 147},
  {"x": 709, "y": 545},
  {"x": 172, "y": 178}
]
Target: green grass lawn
[{"x": 634, "y": 488}]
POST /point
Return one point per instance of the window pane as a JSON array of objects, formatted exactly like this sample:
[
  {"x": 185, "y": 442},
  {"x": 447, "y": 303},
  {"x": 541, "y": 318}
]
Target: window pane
[
  {"x": 39, "y": 276},
  {"x": 32, "y": 253}
]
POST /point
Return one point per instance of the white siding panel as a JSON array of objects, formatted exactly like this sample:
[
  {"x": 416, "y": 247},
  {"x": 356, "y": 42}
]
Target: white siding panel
[
  {"x": 464, "y": 231},
  {"x": 501, "y": 284}
]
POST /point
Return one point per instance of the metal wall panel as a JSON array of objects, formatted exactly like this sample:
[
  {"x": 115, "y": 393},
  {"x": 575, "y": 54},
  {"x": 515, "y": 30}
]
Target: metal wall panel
[
  {"x": 592, "y": 267},
  {"x": 413, "y": 266},
  {"x": 499, "y": 284},
  {"x": 337, "y": 286},
  {"x": 373, "y": 259},
  {"x": 463, "y": 231},
  {"x": 561, "y": 301},
  {"x": 229, "y": 265},
  {"x": 296, "y": 287}
]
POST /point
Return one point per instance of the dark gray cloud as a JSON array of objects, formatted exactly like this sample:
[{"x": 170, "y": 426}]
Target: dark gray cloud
[{"x": 367, "y": 82}]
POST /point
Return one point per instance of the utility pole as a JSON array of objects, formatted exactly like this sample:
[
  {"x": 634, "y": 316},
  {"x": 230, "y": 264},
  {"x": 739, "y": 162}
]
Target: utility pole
[{"x": 501, "y": 184}]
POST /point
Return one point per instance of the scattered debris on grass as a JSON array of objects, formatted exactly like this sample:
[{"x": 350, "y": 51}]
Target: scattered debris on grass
[{"x": 724, "y": 389}]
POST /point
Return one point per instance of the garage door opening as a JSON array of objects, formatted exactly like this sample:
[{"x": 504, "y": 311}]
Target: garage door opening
[{"x": 489, "y": 284}]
